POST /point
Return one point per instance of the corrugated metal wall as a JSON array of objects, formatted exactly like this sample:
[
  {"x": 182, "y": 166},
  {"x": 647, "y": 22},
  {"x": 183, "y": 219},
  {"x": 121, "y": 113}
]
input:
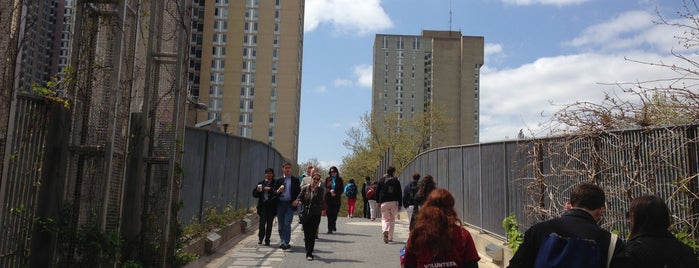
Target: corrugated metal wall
[
  {"x": 222, "y": 170},
  {"x": 532, "y": 179}
]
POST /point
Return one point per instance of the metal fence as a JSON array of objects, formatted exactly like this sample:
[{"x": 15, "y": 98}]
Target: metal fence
[
  {"x": 21, "y": 181},
  {"x": 221, "y": 170},
  {"x": 106, "y": 166},
  {"x": 532, "y": 179}
]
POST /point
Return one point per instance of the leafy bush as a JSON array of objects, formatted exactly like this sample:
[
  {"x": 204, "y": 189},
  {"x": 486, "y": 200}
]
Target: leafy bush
[{"x": 514, "y": 236}]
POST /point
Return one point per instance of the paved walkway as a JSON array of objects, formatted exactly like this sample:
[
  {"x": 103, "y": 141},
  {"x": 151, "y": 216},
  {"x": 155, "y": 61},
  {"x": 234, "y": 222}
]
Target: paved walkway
[{"x": 357, "y": 243}]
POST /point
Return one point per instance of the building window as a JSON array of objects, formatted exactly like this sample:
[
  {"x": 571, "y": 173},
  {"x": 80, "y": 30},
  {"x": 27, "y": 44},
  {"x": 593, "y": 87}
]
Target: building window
[
  {"x": 416, "y": 43},
  {"x": 221, "y": 13},
  {"x": 384, "y": 42}
]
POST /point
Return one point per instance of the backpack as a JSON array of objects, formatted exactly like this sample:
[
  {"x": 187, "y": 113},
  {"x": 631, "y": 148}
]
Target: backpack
[
  {"x": 370, "y": 193},
  {"x": 558, "y": 251},
  {"x": 413, "y": 193},
  {"x": 352, "y": 191},
  {"x": 389, "y": 186}
]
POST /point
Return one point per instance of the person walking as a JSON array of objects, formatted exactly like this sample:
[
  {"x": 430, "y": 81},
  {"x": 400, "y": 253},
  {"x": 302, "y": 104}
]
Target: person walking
[
  {"x": 580, "y": 221},
  {"x": 373, "y": 201},
  {"x": 306, "y": 176},
  {"x": 390, "y": 198},
  {"x": 307, "y": 179},
  {"x": 439, "y": 238},
  {"x": 266, "y": 205},
  {"x": 351, "y": 194},
  {"x": 424, "y": 189},
  {"x": 409, "y": 196},
  {"x": 650, "y": 244},
  {"x": 288, "y": 188},
  {"x": 311, "y": 199},
  {"x": 365, "y": 200},
  {"x": 333, "y": 197}
]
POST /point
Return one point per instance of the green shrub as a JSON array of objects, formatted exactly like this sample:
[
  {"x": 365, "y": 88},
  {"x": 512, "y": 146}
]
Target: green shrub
[{"x": 514, "y": 236}]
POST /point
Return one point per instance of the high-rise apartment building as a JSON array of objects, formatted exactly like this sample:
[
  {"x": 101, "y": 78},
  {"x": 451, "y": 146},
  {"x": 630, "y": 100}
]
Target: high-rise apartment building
[
  {"x": 45, "y": 31},
  {"x": 246, "y": 66},
  {"x": 439, "y": 69}
]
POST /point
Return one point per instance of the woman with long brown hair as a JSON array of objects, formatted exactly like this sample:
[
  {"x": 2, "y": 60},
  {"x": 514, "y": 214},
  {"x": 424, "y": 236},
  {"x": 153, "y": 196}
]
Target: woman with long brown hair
[
  {"x": 650, "y": 243},
  {"x": 438, "y": 238},
  {"x": 425, "y": 187}
]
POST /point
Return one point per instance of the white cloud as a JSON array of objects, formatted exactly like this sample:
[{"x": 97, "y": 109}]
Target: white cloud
[
  {"x": 343, "y": 83},
  {"x": 545, "y": 2},
  {"x": 364, "y": 75},
  {"x": 492, "y": 53},
  {"x": 347, "y": 16},
  {"x": 629, "y": 30},
  {"x": 492, "y": 49},
  {"x": 328, "y": 164},
  {"x": 321, "y": 89},
  {"x": 515, "y": 99}
]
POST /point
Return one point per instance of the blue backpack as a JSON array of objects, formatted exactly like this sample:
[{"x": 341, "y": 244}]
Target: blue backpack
[{"x": 558, "y": 251}]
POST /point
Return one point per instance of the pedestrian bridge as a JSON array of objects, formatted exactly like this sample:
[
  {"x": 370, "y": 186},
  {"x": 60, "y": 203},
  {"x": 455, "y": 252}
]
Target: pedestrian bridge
[{"x": 357, "y": 243}]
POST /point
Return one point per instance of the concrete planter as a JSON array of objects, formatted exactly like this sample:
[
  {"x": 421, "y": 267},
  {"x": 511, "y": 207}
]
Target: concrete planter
[{"x": 211, "y": 241}]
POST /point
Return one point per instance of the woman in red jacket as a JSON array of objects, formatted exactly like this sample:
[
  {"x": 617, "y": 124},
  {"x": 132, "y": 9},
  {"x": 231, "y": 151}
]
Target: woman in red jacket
[{"x": 438, "y": 238}]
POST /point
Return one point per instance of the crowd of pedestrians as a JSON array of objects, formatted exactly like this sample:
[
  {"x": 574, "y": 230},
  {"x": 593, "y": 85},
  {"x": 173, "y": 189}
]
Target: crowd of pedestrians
[{"x": 437, "y": 237}]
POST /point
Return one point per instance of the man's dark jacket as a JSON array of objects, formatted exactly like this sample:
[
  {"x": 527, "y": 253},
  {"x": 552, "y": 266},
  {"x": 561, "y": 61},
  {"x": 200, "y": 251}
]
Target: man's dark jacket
[
  {"x": 295, "y": 186},
  {"x": 574, "y": 223}
]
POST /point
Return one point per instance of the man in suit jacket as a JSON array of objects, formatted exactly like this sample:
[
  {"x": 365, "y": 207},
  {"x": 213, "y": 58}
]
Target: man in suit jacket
[{"x": 288, "y": 187}]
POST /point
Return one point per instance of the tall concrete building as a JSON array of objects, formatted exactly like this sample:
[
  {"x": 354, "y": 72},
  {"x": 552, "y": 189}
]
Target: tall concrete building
[
  {"x": 45, "y": 30},
  {"x": 246, "y": 67},
  {"x": 438, "y": 69}
]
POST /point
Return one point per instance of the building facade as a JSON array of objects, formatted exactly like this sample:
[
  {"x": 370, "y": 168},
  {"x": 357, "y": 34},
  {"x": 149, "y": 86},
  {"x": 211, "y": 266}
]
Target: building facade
[
  {"x": 440, "y": 69},
  {"x": 245, "y": 62}
]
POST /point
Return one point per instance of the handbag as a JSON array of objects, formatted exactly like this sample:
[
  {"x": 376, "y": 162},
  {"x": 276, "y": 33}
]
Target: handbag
[
  {"x": 305, "y": 210},
  {"x": 370, "y": 193}
]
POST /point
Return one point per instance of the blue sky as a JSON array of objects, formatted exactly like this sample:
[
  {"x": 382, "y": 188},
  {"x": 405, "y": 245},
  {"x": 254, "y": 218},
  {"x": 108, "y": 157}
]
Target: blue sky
[{"x": 539, "y": 54}]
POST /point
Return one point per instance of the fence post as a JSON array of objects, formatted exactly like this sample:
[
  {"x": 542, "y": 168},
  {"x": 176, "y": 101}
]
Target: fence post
[{"x": 49, "y": 200}]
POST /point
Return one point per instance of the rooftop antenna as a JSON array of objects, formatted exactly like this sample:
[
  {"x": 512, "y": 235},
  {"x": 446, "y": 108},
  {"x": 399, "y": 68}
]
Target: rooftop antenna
[{"x": 450, "y": 17}]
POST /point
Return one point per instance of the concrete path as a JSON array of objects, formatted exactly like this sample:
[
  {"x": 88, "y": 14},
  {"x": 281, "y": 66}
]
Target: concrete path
[{"x": 357, "y": 243}]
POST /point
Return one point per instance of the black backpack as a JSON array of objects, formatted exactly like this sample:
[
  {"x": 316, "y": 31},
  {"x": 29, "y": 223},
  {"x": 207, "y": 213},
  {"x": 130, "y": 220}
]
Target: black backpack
[
  {"x": 352, "y": 191},
  {"x": 413, "y": 193}
]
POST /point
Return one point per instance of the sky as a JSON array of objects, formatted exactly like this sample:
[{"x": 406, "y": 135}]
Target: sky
[{"x": 539, "y": 55}]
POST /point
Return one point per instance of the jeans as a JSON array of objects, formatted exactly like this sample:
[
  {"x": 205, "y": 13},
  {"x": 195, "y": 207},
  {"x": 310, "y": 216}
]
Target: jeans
[
  {"x": 374, "y": 209},
  {"x": 284, "y": 217},
  {"x": 410, "y": 210}
]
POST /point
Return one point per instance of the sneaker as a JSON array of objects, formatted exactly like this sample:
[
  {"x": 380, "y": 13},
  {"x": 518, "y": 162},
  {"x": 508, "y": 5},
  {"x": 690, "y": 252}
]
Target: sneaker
[
  {"x": 287, "y": 246},
  {"x": 309, "y": 258},
  {"x": 330, "y": 232},
  {"x": 385, "y": 237}
]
